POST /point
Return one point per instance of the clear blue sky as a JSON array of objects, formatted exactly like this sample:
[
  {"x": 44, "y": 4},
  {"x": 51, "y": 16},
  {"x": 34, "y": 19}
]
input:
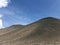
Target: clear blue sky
[{"x": 28, "y": 11}]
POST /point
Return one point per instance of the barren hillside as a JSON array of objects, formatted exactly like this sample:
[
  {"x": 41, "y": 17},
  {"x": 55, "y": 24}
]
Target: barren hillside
[{"x": 45, "y": 31}]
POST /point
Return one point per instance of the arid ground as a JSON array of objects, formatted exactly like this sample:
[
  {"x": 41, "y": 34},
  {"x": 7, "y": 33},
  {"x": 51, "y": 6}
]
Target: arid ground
[{"x": 45, "y": 31}]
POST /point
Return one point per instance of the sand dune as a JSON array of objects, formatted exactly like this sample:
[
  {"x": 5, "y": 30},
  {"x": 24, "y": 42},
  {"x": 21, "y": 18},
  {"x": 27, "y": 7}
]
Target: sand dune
[{"x": 45, "y": 31}]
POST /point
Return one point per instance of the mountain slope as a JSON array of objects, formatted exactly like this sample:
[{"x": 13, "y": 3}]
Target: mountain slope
[
  {"x": 42, "y": 32},
  {"x": 11, "y": 28}
]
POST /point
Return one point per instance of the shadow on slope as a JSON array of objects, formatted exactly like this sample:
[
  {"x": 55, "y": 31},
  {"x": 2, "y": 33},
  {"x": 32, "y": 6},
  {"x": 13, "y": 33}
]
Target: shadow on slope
[{"x": 41, "y": 30}]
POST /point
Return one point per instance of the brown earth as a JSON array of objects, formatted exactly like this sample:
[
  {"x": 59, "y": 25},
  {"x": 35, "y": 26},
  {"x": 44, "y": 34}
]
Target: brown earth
[{"x": 45, "y": 31}]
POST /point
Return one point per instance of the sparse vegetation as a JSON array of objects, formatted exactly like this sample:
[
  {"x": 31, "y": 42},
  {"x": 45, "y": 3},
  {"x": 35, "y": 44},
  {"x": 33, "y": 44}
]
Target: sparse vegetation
[{"x": 43, "y": 32}]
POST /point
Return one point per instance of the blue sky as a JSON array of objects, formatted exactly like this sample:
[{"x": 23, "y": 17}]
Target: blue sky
[{"x": 28, "y": 11}]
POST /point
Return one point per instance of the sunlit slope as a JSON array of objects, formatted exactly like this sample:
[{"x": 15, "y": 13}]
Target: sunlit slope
[
  {"x": 42, "y": 32},
  {"x": 11, "y": 28}
]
